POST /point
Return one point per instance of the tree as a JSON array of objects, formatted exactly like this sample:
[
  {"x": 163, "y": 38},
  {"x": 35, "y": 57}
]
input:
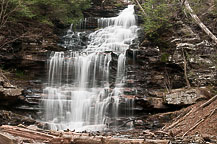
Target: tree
[
  {"x": 156, "y": 15},
  {"x": 10, "y": 7},
  {"x": 67, "y": 11},
  {"x": 12, "y": 12}
]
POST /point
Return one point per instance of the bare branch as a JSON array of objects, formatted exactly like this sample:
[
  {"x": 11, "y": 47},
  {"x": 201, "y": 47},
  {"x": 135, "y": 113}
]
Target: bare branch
[
  {"x": 2, "y": 8},
  {"x": 13, "y": 40},
  {"x": 5, "y": 12},
  {"x": 198, "y": 21}
]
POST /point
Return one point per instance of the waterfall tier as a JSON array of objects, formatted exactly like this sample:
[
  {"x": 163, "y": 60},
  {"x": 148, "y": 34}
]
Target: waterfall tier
[{"x": 79, "y": 94}]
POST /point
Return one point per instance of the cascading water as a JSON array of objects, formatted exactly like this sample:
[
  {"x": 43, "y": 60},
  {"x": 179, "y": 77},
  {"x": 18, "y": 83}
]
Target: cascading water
[{"x": 79, "y": 95}]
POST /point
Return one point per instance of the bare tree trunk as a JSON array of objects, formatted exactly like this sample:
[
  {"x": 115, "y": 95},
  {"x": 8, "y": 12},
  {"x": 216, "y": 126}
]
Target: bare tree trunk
[
  {"x": 185, "y": 70},
  {"x": 198, "y": 21},
  {"x": 137, "y": 2}
]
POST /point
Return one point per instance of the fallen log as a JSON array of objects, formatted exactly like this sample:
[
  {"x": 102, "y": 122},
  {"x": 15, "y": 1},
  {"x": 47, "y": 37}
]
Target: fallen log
[
  {"x": 26, "y": 133},
  {"x": 68, "y": 137},
  {"x": 198, "y": 21},
  {"x": 193, "y": 110},
  {"x": 199, "y": 122},
  {"x": 208, "y": 102},
  {"x": 5, "y": 139}
]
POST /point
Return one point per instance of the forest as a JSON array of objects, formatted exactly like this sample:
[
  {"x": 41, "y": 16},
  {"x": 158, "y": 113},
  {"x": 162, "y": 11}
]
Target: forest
[{"x": 108, "y": 71}]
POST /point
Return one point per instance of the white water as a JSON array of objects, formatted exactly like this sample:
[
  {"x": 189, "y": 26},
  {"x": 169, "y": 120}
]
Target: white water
[{"x": 78, "y": 94}]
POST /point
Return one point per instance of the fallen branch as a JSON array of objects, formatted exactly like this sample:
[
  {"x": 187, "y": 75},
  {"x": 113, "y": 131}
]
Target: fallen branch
[
  {"x": 138, "y": 118},
  {"x": 124, "y": 124},
  {"x": 199, "y": 122},
  {"x": 198, "y": 21},
  {"x": 180, "y": 120},
  {"x": 213, "y": 111},
  {"x": 192, "y": 110},
  {"x": 148, "y": 132},
  {"x": 208, "y": 102}
]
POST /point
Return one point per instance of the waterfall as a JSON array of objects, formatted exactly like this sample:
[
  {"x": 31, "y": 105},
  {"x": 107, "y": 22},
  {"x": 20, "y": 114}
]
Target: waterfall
[{"x": 78, "y": 95}]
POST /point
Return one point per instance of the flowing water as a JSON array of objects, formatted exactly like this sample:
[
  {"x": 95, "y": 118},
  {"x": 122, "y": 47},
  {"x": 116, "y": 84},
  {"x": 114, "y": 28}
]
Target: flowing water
[{"x": 79, "y": 95}]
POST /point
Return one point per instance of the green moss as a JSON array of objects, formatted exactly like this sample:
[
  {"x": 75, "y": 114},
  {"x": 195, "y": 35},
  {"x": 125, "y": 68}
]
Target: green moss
[
  {"x": 164, "y": 57},
  {"x": 19, "y": 74}
]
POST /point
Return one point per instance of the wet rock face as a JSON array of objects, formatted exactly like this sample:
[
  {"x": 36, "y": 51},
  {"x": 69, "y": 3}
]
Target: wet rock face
[{"x": 149, "y": 72}]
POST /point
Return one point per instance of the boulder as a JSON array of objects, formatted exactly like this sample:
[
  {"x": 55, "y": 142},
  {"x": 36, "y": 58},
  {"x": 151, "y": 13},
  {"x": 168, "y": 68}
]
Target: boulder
[
  {"x": 184, "y": 97},
  {"x": 10, "y": 118},
  {"x": 9, "y": 94}
]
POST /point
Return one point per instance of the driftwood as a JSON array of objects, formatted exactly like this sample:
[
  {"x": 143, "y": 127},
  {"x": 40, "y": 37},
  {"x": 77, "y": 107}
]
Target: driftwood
[
  {"x": 198, "y": 21},
  {"x": 56, "y": 137}
]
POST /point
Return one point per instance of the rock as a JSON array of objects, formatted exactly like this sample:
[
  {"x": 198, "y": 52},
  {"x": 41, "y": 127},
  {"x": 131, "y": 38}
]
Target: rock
[
  {"x": 33, "y": 127},
  {"x": 183, "y": 97},
  {"x": 199, "y": 55},
  {"x": 4, "y": 92},
  {"x": 157, "y": 103},
  {"x": 8, "y": 85},
  {"x": 21, "y": 126},
  {"x": 151, "y": 103},
  {"x": 138, "y": 123},
  {"x": 10, "y": 118},
  {"x": 9, "y": 96}
]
